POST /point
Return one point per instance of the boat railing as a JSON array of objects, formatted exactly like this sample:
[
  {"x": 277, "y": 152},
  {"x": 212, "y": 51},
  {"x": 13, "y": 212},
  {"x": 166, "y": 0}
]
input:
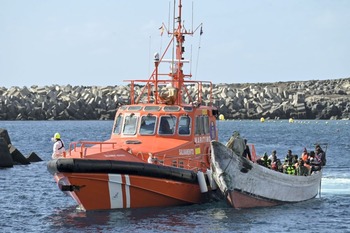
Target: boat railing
[
  {"x": 148, "y": 95},
  {"x": 82, "y": 146}
]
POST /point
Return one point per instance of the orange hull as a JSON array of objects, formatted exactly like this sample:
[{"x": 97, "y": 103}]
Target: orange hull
[{"x": 111, "y": 191}]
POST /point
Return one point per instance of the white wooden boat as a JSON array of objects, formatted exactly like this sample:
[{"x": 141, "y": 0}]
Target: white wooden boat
[{"x": 246, "y": 184}]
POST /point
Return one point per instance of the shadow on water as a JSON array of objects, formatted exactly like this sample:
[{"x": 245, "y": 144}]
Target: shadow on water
[
  {"x": 195, "y": 218},
  {"x": 173, "y": 219}
]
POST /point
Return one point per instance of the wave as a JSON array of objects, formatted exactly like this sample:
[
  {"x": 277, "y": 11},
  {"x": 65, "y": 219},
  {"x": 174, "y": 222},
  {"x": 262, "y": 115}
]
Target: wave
[{"x": 335, "y": 185}]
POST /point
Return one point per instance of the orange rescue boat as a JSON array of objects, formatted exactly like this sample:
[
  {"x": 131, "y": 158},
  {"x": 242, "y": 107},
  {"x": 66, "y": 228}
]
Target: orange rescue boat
[{"x": 159, "y": 150}]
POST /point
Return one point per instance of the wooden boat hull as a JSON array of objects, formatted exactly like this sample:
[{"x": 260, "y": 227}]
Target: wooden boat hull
[
  {"x": 101, "y": 184},
  {"x": 246, "y": 184}
]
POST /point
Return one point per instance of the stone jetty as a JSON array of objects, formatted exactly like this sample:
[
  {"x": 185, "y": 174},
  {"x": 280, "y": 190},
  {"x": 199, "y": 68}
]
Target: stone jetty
[
  {"x": 314, "y": 99},
  {"x": 10, "y": 155}
]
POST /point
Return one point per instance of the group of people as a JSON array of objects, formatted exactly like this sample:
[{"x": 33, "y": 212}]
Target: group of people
[{"x": 304, "y": 165}]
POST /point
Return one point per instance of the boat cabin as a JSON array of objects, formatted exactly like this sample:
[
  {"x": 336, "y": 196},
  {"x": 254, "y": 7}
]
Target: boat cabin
[{"x": 163, "y": 121}]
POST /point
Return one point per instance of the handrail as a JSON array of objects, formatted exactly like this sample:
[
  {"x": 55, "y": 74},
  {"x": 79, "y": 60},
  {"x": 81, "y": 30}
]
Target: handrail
[
  {"x": 83, "y": 146},
  {"x": 150, "y": 83}
]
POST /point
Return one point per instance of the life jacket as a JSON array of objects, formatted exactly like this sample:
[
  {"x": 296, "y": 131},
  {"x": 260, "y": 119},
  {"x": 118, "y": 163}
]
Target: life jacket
[
  {"x": 266, "y": 162},
  {"x": 274, "y": 166},
  {"x": 62, "y": 145},
  {"x": 290, "y": 170},
  {"x": 304, "y": 156}
]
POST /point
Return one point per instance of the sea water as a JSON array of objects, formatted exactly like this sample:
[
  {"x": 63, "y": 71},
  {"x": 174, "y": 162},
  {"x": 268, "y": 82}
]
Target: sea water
[{"x": 31, "y": 202}]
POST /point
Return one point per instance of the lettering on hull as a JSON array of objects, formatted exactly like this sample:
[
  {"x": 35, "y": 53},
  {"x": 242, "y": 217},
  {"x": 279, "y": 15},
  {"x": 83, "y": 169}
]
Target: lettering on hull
[
  {"x": 202, "y": 139},
  {"x": 186, "y": 152}
]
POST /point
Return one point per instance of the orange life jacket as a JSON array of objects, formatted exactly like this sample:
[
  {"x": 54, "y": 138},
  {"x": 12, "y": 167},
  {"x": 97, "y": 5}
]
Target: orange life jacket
[{"x": 305, "y": 156}]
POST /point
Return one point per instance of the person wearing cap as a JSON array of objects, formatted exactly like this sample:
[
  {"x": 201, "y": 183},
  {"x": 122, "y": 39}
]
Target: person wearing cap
[{"x": 58, "y": 146}]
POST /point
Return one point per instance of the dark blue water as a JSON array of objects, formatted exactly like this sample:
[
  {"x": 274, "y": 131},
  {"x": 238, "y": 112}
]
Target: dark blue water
[{"x": 31, "y": 202}]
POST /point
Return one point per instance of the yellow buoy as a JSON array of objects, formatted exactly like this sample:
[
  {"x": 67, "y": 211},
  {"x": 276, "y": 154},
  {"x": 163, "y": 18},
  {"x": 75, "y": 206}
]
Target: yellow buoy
[
  {"x": 291, "y": 120},
  {"x": 221, "y": 117},
  {"x": 262, "y": 119}
]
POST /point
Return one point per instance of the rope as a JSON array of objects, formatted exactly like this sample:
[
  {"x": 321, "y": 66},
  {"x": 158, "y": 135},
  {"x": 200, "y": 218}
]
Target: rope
[
  {"x": 319, "y": 189},
  {"x": 199, "y": 47},
  {"x": 228, "y": 164}
]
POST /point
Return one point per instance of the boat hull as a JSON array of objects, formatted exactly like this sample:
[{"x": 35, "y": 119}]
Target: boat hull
[
  {"x": 247, "y": 184},
  {"x": 100, "y": 184}
]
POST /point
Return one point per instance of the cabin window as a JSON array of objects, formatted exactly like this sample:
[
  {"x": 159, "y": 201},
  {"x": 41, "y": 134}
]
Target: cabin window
[
  {"x": 202, "y": 125},
  {"x": 185, "y": 125},
  {"x": 171, "y": 108},
  {"x": 118, "y": 124},
  {"x": 199, "y": 125},
  {"x": 167, "y": 125},
  {"x": 152, "y": 108},
  {"x": 206, "y": 124},
  {"x": 134, "y": 108},
  {"x": 147, "y": 126},
  {"x": 188, "y": 109},
  {"x": 130, "y": 124},
  {"x": 197, "y": 129}
]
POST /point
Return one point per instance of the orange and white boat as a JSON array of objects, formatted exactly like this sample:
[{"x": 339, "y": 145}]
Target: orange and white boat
[{"x": 159, "y": 149}]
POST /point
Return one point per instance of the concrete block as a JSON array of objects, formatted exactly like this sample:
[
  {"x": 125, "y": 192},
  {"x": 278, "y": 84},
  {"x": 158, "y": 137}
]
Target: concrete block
[
  {"x": 17, "y": 156},
  {"x": 33, "y": 157},
  {"x": 5, "y": 156}
]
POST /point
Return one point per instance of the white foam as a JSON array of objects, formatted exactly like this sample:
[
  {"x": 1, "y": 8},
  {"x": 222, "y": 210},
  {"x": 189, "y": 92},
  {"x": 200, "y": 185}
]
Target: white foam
[{"x": 335, "y": 185}]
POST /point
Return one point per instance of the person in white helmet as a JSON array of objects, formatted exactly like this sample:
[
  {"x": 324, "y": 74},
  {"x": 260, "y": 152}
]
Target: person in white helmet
[{"x": 58, "y": 146}]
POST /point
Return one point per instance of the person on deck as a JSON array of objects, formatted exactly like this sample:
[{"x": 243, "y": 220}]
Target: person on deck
[
  {"x": 246, "y": 152},
  {"x": 264, "y": 161},
  {"x": 274, "y": 153},
  {"x": 301, "y": 169},
  {"x": 276, "y": 162},
  {"x": 305, "y": 155},
  {"x": 58, "y": 146},
  {"x": 236, "y": 144},
  {"x": 317, "y": 159},
  {"x": 289, "y": 155},
  {"x": 320, "y": 155},
  {"x": 290, "y": 168},
  {"x": 295, "y": 159}
]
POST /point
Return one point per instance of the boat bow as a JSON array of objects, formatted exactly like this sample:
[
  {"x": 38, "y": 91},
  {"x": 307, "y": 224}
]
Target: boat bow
[{"x": 247, "y": 184}]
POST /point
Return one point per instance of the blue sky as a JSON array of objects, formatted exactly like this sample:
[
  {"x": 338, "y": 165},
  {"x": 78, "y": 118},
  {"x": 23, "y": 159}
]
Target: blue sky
[{"x": 85, "y": 42}]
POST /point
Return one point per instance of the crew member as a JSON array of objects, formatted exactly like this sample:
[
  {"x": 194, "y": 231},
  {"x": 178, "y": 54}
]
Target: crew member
[{"x": 58, "y": 146}]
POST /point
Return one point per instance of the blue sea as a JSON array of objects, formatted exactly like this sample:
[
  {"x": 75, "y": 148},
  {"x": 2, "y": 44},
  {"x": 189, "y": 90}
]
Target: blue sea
[{"x": 31, "y": 202}]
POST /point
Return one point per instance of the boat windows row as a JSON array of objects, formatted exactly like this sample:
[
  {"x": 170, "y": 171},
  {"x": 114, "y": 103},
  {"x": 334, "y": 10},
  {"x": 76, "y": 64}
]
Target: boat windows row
[
  {"x": 156, "y": 108},
  {"x": 164, "y": 125}
]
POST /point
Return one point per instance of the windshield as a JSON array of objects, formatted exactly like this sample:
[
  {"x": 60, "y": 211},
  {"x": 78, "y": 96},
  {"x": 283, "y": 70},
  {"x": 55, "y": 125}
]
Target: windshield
[
  {"x": 185, "y": 125},
  {"x": 118, "y": 124},
  {"x": 167, "y": 125},
  {"x": 130, "y": 124},
  {"x": 148, "y": 125}
]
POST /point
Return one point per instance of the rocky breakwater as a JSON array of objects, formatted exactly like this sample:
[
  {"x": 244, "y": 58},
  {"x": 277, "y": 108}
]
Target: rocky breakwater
[
  {"x": 315, "y": 99},
  {"x": 61, "y": 102},
  {"x": 10, "y": 155}
]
